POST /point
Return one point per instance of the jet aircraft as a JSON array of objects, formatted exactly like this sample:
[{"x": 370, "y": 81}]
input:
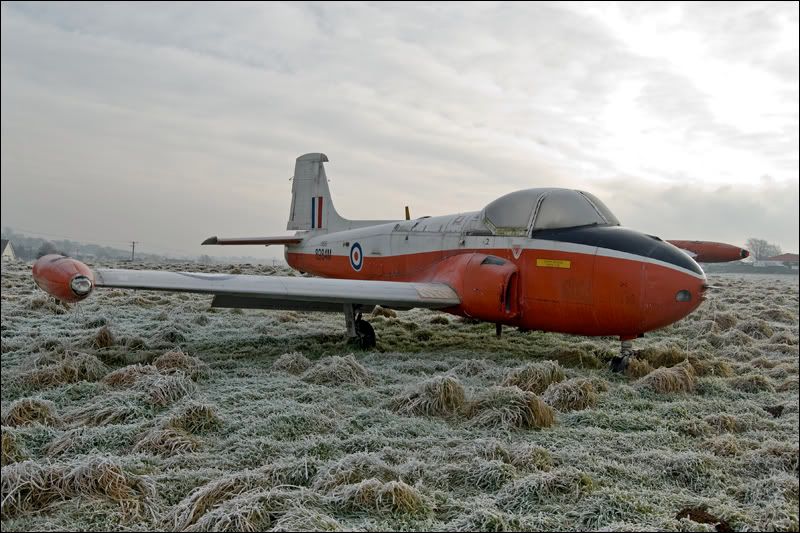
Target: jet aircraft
[{"x": 548, "y": 259}]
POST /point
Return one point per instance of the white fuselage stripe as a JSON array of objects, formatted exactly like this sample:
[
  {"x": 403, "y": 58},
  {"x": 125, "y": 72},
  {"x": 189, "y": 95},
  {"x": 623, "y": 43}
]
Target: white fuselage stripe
[{"x": 383, "y": 241}]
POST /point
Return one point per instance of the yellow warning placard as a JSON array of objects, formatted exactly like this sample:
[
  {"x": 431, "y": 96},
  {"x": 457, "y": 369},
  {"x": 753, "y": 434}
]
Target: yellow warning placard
[{"x": 553, "y": 263}]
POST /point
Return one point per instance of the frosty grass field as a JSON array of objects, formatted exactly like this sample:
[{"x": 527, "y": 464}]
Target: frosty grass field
[{"x": 142, "y": 410}]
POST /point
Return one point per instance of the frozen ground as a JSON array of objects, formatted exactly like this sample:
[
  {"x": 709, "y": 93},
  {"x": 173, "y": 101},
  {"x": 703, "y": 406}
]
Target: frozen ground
[{"x": 416, "y": 435}]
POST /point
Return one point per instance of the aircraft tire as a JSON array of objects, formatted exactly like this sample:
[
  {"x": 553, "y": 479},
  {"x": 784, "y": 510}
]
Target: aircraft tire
[{"x": 366, "y": 334}]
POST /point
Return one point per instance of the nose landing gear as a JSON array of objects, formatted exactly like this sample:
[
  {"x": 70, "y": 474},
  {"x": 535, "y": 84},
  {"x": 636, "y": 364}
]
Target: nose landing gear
[{"x": 620, "y": 362}]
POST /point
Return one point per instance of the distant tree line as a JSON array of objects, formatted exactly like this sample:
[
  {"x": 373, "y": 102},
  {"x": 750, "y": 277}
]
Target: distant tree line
[
  {"x": 761, "y": 249},
  {"x": 31, "y": 248}
]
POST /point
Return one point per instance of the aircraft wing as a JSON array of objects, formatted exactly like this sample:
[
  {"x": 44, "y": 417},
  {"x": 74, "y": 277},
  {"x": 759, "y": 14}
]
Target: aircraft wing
[{"x": 282, "y": 292}]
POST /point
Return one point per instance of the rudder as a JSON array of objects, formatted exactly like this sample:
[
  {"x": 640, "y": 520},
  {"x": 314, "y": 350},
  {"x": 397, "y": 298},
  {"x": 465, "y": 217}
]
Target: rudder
[{"x": 312, "y": 207}]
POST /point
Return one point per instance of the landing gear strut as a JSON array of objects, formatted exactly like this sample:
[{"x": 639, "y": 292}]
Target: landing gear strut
[
  {"x": 359, "y": 330},
  {"x": 620, "y": 362}
]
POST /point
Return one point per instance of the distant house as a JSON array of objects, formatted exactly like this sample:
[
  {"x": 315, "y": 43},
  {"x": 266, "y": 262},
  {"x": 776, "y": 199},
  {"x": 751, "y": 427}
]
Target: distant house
[
  {"x": 787, "y": 260},
  {"x": 8, "y": 251}
]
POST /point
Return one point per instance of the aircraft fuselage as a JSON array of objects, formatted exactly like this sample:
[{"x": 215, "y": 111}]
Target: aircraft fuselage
[{"x": 594, "y": 280}]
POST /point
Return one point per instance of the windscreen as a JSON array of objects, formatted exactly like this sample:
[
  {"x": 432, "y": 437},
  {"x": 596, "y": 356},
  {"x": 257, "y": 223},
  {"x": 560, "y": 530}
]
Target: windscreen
[{"x": 566, "y": 209}]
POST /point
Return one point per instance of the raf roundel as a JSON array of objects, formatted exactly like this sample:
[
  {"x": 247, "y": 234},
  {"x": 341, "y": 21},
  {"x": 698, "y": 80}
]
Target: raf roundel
[{"x": 356, "y": 257}]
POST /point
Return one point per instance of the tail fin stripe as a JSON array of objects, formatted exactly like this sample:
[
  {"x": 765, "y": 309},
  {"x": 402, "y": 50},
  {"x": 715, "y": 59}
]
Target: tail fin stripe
[
  {"x": 313, "y": 209},
  {"x": 319, "y": 213}
]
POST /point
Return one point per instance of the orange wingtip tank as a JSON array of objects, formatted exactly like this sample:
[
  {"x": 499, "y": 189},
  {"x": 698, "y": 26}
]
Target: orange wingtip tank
[
  {"x": 65, "y": 278},
  {"x": 711, "y": 252}
]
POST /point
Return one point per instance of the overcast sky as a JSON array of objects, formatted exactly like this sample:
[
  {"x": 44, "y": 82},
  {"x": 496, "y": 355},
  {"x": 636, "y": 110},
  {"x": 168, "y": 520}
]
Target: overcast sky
[{"x": 168, "y": 123}]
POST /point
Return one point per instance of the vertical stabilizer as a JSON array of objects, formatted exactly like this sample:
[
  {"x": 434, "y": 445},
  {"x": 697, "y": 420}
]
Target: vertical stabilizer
[{"x": 312, "y": 207}]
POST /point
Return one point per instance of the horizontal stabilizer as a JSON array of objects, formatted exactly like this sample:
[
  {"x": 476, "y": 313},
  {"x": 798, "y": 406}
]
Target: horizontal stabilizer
[{"x": 266, "y": 241}]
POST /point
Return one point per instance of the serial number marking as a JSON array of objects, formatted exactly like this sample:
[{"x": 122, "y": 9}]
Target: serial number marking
[
  {"x": 323, "y": 253},
  {"x": 553, "y": 263}
]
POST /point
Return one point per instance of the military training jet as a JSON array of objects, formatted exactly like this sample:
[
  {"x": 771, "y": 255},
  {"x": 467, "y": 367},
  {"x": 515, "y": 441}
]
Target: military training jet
[{"x": 546, "y": 259}]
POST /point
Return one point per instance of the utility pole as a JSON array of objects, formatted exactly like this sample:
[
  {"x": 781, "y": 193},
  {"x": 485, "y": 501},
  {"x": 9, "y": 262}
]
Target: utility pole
[{"x": 133, "y": 249}]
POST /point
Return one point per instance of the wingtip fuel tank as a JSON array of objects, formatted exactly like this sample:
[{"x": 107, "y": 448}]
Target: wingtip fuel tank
[{"x": 64, "y": 278}]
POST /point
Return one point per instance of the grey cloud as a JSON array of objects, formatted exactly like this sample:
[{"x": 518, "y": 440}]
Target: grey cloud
[{"x": 197, "y": 112}]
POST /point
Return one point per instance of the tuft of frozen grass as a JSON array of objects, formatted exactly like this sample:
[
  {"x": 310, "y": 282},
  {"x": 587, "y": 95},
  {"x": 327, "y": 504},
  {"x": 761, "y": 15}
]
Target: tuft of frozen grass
[
  {"x": 382, "y": 497},
  {"x": 186, "y": 513},
  {"x": 790, "y": 385},
  {"x": 384, "y": 312},
  {"x": 164, "y": 390},
  {"x": 253, "y": 510},
  {"x": 711, "y": 367},
  {"x": 12, "y": 450},
  {"x": 724, "y": 423},
  {"x": 301, "y": 518},
  {"x": 752, "y": 383},
  {"x": 528, "y": 457},
  {"x": 777, "y": 314},
  {"x": 30, "y": 486},
  {"x": 489, "y": 475},
  {"x": 437, "y": 396},
  {"x": 49, "y": 304},
  {"x": 292, "y": 363},
  {"x": 63, "y": 368},
  {"x": 725, "y": 321},
  {"x": 659, "y": 356},
  {"x": 571, "y": 395},
  {"x": 352, "y": 469},
  {"x": 509, "y": 407},
  {"x": 528, "y": 494},
  {"x": 176, "y": 361},
  {"x": 129, "y": 375},
  {"x": 115, "y": 408},
  {"x": 534, "y": 377},
  {"x": 486, "y": 518},
  {"x": 201, "y": 319},
  {"x": 637, "y": 368},
  {"x": 26, "y": 411},
  {"x": 472, "y": 367},
  {"x": 784, "y": 337},
  {"x": 195, "y": 417},
  {"x": 336, "y": 370},
  {"x": 664, "y": 380},
  {"x": 167, "y": 441},
  {"x": 727, "y": 445},
  {"x": 167, "y": 335},
  {"x": 103, "y": 338},
  {"x": 577, "y": 357},
  {"x": 756, "y": 328}
]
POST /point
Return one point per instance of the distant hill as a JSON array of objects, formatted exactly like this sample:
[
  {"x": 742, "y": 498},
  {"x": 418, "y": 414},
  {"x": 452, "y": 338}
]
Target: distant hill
[{"x": 29, "y": 248}]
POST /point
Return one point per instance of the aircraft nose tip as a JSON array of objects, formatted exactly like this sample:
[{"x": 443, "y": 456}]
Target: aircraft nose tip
[{"x": 745, "y": 254}]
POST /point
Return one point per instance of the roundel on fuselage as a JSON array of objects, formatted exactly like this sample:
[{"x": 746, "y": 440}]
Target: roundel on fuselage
[{"x": 356, "y": 257}]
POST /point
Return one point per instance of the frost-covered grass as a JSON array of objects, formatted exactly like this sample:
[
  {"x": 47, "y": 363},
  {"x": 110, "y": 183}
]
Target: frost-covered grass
[{"x": 145, "y": 410}]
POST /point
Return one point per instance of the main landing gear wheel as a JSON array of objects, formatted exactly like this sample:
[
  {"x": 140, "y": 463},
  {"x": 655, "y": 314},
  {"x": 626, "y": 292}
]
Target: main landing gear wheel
[
  {"x": 365, "y": 334},
  {"x": 359, "y": 331}
]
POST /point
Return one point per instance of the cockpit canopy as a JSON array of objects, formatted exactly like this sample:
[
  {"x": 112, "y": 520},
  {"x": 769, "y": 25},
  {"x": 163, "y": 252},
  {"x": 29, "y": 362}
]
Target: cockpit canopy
[{"x": 527, "y": 211}]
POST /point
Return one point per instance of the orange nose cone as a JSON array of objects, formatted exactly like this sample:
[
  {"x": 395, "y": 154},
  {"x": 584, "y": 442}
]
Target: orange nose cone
[{"x": 65, "y": 278}]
